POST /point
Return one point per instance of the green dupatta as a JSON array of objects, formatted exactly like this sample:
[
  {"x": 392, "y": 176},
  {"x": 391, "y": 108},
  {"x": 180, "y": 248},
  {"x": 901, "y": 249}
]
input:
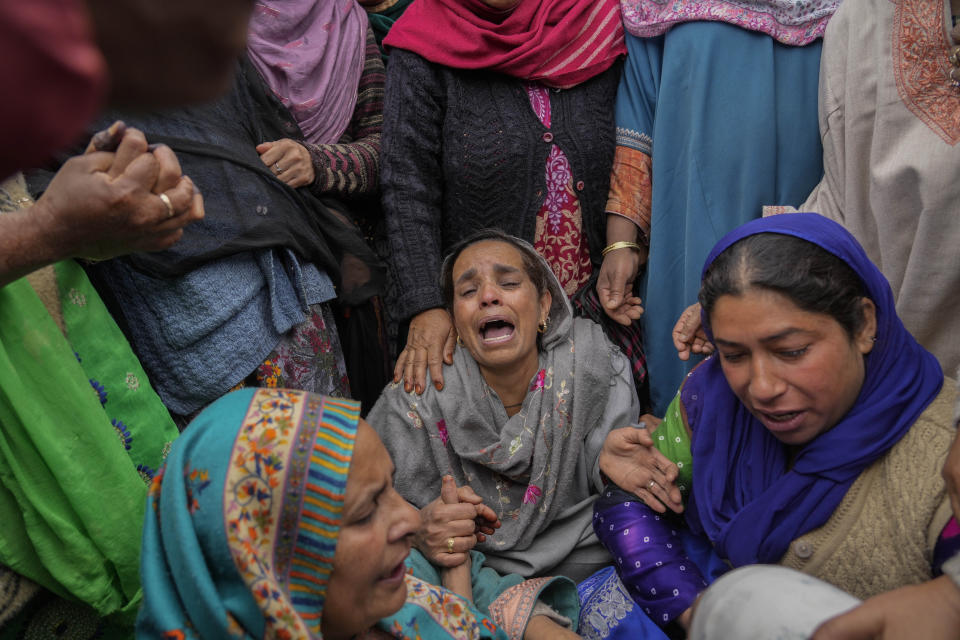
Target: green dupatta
[{"x": 81, "y": 432}]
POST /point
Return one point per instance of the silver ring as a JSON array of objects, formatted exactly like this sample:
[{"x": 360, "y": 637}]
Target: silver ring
[
  {"x": 651, "y": 485},
  {"x": 276, "y": 165},
  {"x": 166, "y": 201}
]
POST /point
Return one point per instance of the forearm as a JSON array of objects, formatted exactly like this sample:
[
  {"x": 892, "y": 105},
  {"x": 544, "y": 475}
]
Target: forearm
[
  {"x": 352, "y": 167},
  {"x": 26, "y": 245},
  {"x": 543, "y": 628},
  {"x": 628, "y": 203},
  {"x": 346, "y": 170},
  {"x": 457, "y": 579}
]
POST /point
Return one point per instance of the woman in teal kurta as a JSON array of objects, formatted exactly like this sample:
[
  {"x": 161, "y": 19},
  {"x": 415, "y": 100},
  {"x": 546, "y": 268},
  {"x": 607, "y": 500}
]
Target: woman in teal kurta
[{"x": 714, "y": 121}]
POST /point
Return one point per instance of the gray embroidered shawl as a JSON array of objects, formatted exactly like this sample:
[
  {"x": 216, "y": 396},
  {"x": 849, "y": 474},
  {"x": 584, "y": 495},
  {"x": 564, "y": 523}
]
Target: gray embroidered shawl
[{"x": 538, "y": 469}]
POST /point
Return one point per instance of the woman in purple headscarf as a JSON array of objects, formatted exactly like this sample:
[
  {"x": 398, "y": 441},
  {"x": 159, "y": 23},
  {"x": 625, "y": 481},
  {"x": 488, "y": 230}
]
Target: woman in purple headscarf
[{"x": 813, "y": 438}]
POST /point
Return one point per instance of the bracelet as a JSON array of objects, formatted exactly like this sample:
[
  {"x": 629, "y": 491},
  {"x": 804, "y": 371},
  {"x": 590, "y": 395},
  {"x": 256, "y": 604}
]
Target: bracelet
[{"x": 619, "y": 245}]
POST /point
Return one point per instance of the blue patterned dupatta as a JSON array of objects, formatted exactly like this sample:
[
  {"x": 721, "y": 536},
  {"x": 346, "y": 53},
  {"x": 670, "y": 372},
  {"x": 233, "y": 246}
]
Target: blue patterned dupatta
[
  {"x": 745, "y": 498},
  {"x": 242, "y": 524}
]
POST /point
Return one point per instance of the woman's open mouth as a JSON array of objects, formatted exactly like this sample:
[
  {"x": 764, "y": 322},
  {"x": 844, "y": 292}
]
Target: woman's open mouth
[
  {"x": 782, "y": 421},
  {"x": 495, "y": 330},
  {"x": 396, "y": 574}
]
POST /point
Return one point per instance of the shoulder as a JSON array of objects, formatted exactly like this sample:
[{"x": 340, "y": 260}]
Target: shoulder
[
  {"x": 411, "y": 68},
  {"x": 934, "y": 429},
  {"x": 397, "y": 408},
  {"x": 591, "y": 342}
]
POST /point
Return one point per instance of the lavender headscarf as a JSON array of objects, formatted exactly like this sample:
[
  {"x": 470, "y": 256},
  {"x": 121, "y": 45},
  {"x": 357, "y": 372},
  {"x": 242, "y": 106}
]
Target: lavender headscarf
[
  {"x": 744, "y": 498},
  {"x": 311, "y": 53}
]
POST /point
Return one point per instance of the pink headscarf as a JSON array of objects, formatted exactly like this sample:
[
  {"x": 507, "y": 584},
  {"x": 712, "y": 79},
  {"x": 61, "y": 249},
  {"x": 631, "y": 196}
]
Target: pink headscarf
[
  {"x": 560, "y": 43},
  {"x": 311, "y": 53}
]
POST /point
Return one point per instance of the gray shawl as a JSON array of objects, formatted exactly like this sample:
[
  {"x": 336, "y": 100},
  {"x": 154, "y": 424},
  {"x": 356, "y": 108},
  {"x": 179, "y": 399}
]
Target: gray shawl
[{"x": 538, "y": 469}]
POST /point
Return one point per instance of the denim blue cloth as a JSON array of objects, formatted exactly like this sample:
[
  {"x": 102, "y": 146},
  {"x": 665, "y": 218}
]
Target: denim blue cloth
[{"x": 200, "y": 334}]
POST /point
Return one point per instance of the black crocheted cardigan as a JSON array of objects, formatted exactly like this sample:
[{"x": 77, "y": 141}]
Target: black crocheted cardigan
[{"x": 463, "y": 150}]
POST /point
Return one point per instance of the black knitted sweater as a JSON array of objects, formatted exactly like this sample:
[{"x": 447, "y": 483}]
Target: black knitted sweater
[{"x": 463, "y": 150}]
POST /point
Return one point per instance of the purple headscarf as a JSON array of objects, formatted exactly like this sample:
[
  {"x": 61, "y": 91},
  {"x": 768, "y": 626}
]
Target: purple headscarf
[
  {"x": 311, "y": 53},
  {"x": 744, "y": 498}
]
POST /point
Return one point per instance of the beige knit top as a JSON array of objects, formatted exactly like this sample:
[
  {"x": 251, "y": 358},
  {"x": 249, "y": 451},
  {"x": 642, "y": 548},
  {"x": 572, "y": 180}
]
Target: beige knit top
[{"x": 883, "y": 533}]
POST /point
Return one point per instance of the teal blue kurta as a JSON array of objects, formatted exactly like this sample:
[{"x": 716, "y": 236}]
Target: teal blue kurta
[{"x": 730, "y": 117}]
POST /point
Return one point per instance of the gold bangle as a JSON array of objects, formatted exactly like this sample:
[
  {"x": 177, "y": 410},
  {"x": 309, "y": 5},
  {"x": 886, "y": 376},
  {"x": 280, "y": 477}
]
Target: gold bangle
[{"x": 619, "y": 245}]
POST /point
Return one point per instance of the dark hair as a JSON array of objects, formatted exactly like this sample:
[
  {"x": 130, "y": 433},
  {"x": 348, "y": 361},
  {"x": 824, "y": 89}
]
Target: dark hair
[
  {"x": 813, "y": 278},
  {"x": 531, "y": 262}
]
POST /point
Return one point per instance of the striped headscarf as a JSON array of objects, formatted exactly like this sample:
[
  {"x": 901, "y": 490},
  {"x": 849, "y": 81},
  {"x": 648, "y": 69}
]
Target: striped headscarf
[{"x": 243, "y": 520}]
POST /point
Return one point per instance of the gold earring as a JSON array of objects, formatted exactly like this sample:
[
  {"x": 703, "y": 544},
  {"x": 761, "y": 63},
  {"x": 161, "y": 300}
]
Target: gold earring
[
  {"x": 542, "y": 327},
  {"x": 459, "y": 341}
]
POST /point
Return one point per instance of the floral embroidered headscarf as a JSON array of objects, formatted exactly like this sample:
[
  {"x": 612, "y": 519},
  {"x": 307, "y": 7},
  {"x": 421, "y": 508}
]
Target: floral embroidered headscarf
[{"x": 242, "y": 522}]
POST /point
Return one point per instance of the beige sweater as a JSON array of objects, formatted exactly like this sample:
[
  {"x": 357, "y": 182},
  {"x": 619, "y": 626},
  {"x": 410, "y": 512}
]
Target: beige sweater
[{"x": 883, "y": 532}]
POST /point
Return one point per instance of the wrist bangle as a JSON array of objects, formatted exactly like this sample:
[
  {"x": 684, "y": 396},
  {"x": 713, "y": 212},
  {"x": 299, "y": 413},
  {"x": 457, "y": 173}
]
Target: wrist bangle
[{"x": 619, "y": 245}]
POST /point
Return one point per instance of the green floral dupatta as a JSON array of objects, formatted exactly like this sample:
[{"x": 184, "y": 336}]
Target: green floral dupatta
[{"x": 81, "y": 432}]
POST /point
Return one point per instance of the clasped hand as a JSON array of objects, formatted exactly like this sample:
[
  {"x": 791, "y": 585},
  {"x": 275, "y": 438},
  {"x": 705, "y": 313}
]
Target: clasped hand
[
  {"x": 458, "y": 514},
  {"x": 108, "y": 203}
]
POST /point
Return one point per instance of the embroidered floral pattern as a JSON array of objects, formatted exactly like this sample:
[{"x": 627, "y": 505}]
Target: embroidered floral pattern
[
  {"x": 793, "y": 22},
  {"x": 605, "y": 604},
  {"x": 922, "y": 69},
  {"x": 537, "y": 384},
  {"x": 512, "y": 608},
  {"x": 254, "y": 500},
  {"x": 196, "y": 480},
  {"x": 268, "y": 374},
  {"x": 100, "y": 391},
  {"x": 146, "y": 473},
  {"x": 77, "y": 298},
  {"x": 153, "y": 493},
  {"x": 125, "y": 436},
  {"x": 559, "y": 236},
  {"x": 308, "y": 358},
  {"x": 132, "y": 382},
  {"x": 532, "y": 494},
  {"x": 446, "y": 608}
]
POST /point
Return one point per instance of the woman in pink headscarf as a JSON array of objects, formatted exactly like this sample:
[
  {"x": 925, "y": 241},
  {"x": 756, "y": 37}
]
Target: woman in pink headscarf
[{"x": 321, "y": 60}]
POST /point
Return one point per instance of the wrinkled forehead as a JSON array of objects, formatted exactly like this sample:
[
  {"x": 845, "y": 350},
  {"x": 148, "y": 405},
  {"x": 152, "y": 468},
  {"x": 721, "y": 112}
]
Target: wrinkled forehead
[{"x": 496, "y": 255}]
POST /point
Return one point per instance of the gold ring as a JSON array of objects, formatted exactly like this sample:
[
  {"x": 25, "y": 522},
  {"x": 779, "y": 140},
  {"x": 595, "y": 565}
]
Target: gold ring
[
  {"x": 450, "y": 542},
  {"x": 651, "y": 485},
  {"x": 168, "y": 204}
]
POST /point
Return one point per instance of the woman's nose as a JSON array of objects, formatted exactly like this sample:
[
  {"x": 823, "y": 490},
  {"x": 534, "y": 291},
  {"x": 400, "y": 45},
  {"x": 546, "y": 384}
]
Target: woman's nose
[
  {"x": 406, "y": 519},
  {"x": 489, "y": 294},
  {"x": 765, "y": 383}
]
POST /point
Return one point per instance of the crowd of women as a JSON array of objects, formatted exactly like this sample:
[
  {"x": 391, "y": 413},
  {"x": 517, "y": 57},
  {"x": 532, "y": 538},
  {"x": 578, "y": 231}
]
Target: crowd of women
[{"x": 340, "y": 319}]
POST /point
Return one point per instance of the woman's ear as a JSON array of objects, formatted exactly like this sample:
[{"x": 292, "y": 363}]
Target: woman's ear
[
  {"x": 867, "y": 336},
  {"x": 545, "y": 301}
]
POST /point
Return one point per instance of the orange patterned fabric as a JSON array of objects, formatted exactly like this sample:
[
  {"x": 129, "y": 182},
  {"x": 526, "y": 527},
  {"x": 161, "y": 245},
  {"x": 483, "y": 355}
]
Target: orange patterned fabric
[
  {"x": 631, "y": 188},
  {"x": 921, "y": 66}
]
